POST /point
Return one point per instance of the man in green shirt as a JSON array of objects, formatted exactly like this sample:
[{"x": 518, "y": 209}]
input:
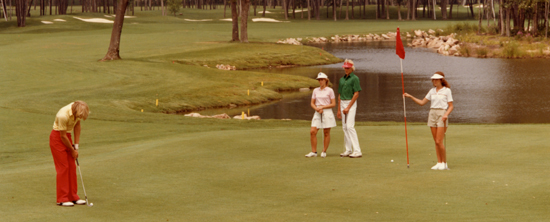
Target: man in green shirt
[{"x": 348, "y": 91}]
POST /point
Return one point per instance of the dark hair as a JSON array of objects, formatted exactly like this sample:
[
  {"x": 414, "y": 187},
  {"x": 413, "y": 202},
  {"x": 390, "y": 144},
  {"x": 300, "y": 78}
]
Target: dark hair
[{"x": 443, "y": 81}]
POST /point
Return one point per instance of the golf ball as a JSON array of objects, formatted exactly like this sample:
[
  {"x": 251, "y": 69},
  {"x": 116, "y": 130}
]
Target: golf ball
[
  {"x": 91, "y": 204},
  {"x": 392, "y": 161}
]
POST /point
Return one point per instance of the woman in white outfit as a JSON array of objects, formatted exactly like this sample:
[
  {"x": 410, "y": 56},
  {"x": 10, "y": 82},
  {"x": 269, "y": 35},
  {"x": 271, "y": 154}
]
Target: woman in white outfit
[
  {"x": 438, "y": 120},
  {"x": 322, "y": 101}
]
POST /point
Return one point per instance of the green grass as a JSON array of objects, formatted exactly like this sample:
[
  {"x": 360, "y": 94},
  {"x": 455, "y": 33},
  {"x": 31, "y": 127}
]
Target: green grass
[{"x": 150, "y": 166}]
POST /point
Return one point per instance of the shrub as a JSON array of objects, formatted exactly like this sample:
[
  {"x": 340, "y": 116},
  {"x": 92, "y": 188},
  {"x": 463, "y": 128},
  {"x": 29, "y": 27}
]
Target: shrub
[
  {"x": 173, "y": 6},
  {"x": 511, "y": 50},
  {"x": 465, "y": 50},
  {"x": 482, "y": 52}
]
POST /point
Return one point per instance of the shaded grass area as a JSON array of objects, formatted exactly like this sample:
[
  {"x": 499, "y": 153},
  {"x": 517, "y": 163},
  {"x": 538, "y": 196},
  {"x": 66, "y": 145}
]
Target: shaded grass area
[{"x": 149, "y": 166}]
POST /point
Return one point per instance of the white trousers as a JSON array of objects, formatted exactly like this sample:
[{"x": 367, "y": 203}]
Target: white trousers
[{"x": 351, "y": 141}]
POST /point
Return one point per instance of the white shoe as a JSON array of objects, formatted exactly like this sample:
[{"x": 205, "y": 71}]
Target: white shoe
[
  {"x": 446, "y": 167},
  {"x": 80, "y": 202},
  {"x": 442, "y": 166},
  {"x": 356, "y": 155},
  {"x": 323, "y": 154},
  {"x": 311, "y": 154},
  {"x": 436, "y": 167},
  {"x": 345, "y": 154},
  {"x": 66, "y": 204}
]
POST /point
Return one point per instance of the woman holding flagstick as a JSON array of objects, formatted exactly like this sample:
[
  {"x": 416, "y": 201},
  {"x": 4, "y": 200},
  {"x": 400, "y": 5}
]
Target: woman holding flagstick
[
  {"x": 322, "y": 101},
  {"x": 438, "y": 119}
]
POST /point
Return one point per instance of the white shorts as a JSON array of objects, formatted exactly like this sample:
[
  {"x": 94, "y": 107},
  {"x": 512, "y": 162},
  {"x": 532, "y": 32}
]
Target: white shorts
[
  {"x": 434, "y": 118},
  {"x": 328, "y": 119}
]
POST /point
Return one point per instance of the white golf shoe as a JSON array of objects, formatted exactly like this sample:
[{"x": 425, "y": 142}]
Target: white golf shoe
[
  {"x": 446, "y": 167},
  {"x": 323, "y": 154},
  {"x": 66, "y": 204},
  {"x": 80, "y": 202},
  {"x": 345, "y": 154},
  {"x": 436, "y": 167},
  {"x": 356, "y": 155},
  {"x": 311, "y": 154}
]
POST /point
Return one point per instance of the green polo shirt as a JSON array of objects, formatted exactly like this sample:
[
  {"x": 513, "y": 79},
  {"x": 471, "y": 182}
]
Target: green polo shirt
[{"x": 348, "y": 85}]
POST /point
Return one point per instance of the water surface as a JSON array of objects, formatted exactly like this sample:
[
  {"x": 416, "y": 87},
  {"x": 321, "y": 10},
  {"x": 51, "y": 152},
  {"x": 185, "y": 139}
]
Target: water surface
[{"x": 484, "y": 90}]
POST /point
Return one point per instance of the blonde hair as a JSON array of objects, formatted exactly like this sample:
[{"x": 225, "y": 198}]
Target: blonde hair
[
  {"x": 443, "y": 81},
  {"x": 351, "y": 62},
  {"x": 80, "y": 109}
]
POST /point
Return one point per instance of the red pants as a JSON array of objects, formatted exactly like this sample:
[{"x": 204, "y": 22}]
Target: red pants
[{"x": 65, "y": 167}]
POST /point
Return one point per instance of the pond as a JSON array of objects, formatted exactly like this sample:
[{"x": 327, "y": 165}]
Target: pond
[{"x": 484, "y": 90}]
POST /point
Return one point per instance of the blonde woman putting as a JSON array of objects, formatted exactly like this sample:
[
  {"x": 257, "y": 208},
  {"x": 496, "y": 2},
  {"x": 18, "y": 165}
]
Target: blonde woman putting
[
  {"x": 438, "y": 120},
  {"x": 64, "y": 152},
  {"x": 322, "y": 101}
]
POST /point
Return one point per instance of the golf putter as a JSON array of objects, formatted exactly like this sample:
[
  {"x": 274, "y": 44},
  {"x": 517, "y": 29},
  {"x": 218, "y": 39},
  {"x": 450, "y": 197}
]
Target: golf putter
[{"x": 83, "y": 188}]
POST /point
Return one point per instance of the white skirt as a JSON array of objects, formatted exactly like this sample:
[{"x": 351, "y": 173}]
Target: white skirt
[{"x": 328, "y": 119}]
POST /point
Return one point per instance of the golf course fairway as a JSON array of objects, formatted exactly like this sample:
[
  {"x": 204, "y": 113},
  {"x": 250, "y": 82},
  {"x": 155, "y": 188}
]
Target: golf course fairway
[{"x": 154, "y": 166}]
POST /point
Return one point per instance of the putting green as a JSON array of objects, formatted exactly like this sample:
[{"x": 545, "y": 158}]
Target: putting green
[{"x": 150, "y": 166}]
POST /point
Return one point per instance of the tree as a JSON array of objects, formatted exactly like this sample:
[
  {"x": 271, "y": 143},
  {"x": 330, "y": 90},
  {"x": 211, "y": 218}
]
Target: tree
[
  {"x": 21, "y": 12},
  {"x": 244, "y": 20},
  {"x": 113, "y": 51},
  {"x": 235, "y": 21},
  {"x": 173, "y": 6}
]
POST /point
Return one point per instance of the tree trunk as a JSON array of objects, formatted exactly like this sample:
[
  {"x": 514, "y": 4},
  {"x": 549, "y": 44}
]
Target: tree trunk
[
  {"x": 508, "y": 11},
  {"x": 244, "y": 20},
  {"x": 546, "y": 18},
  {"x": 21, "y": 12},
  {"x": 235, "y": 20},
  {"x": 308, "y": 10},
  {"x": 409, "y": 3},
  {"x": 347, "y": 9},
  {"x": 114, "y": 46},
  {"x": 265, "y": 2},
  {"x": 162, "y": 7},
  {"x": 480, "y": 17},
  {"x": 501, "y": 18},
  {"x": 285, "y": 9},
  {"x": 535, "y": 19},
  {"x": 444, "y": 9},
  {"x": 387, "y": 10},
  {"x": 225, "y": 7},
  {"x": 334, "y": 9},
  {"x": 399, "y": 10}
]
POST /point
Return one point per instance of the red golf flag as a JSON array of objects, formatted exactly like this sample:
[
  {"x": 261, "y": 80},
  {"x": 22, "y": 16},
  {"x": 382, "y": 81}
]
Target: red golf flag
[{"x": 399, "y": 49}]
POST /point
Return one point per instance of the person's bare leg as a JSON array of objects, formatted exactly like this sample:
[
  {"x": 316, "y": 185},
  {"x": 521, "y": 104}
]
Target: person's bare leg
[
  {"x": 327, "y": 139},
  {"x": 313, "y": 133},
  {"x": 440, "y": 138},
  {"x": 434, "y": 134}
]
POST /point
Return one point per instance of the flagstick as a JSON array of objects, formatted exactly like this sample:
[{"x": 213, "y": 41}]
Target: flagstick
[{"x": 405, "y": 112}]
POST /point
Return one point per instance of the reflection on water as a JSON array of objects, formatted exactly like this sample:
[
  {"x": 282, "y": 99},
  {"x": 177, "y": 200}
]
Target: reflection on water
[{"x": 484, "y": 90}]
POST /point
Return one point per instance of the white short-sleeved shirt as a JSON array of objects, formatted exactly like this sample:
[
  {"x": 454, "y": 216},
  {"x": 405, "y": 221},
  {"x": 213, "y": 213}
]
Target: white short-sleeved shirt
[
  {"x": 440, "y": 99},
  {"x": 323, "y": 97}
]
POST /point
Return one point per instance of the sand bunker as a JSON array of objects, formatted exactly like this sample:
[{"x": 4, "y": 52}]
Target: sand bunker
[
  {"x": 59, "y": 20},
  {"x": 266, "y": 20},
  {"x": 95, "y": 20},
  {"x": 197, "y": 20},
  {"x": 227, "y": 20},
  {"x": 47, "y": 22},
  {"x": 114, "y": 16}
]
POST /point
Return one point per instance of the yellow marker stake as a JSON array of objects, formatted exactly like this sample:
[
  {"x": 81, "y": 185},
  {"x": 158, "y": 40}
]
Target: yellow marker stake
[
  {"x": 141, "y": 110},
  {"x": 262, "y": 83},
  {"x": 242, "y": 115},
  {"x": 157, "y": 103},
  {"x": 248, "y": 112},
  {"x": 248, "y": 92}
]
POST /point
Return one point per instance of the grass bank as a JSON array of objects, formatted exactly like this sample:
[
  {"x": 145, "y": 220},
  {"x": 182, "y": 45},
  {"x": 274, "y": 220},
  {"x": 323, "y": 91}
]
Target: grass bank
[{"x": 487, "y": 43}]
